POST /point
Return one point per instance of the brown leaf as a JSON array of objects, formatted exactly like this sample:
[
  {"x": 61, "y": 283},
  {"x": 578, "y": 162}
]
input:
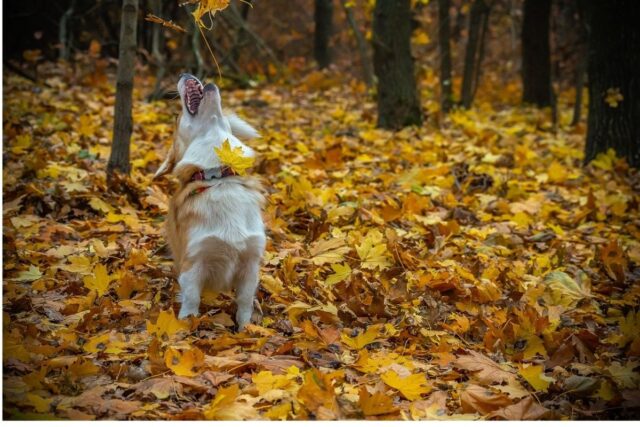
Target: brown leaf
[
  {"x": 479, "y": 399},
  {"x": 483, "y": 369},
  {"x": 526, "y": 410}
]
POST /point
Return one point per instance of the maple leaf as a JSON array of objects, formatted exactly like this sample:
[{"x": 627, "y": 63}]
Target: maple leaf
[
  {"x": 375, "y": 404},
  {"x": 317, "y": 394},
  {"x": 475, "y": 398},
  {"x": 167, "y": 325},
  {"x": 326, "y": 251},
  {"x": 226, "y": 407},
  {"x": 411, "y": 386},
  {"x": 562, "y": 290},
  {"x": 234, "y": 158},
  {"x": 372, "y": 252},
  {"x": 33, "y": 273},
  {"x": 341, "y": 272},
  {"x": 363, "y": 339},
  {"x": 99, "y": 281},
  {"x": 534, "y": 374},
  {"x": 485, "y": 370},
  {"x": 184, "y": 362}
]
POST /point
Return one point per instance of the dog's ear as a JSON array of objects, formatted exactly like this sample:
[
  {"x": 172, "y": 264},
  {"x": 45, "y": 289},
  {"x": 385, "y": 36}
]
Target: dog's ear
[
  {"x": 241, "y": 129},
  {"x": 168, "y": 164}
]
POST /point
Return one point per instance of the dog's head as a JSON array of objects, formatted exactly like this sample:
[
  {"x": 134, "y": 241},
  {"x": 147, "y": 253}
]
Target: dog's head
[{"x": 201, "y": 126}]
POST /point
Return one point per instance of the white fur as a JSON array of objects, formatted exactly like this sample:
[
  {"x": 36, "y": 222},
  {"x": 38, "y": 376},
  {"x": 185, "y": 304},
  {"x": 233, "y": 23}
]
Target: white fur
[{"x": 217, "y": 236}]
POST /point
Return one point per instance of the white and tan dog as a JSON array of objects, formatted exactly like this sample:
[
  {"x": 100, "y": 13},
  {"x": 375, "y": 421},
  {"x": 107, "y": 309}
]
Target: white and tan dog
[{"x": 214, "y": 227}]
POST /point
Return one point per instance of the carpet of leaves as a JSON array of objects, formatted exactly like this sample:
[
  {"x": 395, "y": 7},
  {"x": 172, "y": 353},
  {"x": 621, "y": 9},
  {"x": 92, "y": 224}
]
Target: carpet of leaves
[{"x": 462, "y": 271}]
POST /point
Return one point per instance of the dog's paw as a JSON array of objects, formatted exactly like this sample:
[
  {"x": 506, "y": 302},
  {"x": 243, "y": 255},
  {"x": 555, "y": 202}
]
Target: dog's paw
[{"x": 184, "y": 313}]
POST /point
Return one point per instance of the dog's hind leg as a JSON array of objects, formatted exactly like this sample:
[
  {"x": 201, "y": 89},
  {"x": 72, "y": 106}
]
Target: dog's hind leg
[{"x": 191, "y": 283}]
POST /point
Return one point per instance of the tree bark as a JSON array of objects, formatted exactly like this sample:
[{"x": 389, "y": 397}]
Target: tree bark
[
  {"x": 157, "y": 51},
  {"x": 536, "y": 53},
  {"x": 444, "y": 42},
  {"x": 398, "y": 97},
  {"x": 613, "y": 66},
  {"x": 323, "y": 17},
  {"x": 65, "y": 33},
  {"x": 478, "y": 20},
  {"x": 365, "y": 58},
  {"x": 123, "y": 123}
]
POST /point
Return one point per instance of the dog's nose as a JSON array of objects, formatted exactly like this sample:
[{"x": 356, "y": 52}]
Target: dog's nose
[
  {"x": 209, "y": 87},
  {"x": 186, "y": 75}
]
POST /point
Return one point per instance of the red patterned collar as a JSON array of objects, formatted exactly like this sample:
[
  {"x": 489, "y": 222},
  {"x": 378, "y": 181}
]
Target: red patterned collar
[
  {"x": 208, "y": 175},
  {"x": 213, "y": 173}
]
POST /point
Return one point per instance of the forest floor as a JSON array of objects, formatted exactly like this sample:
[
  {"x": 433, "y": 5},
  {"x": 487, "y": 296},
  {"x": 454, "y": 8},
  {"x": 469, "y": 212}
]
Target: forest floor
[{"x": 467, "y": 270}]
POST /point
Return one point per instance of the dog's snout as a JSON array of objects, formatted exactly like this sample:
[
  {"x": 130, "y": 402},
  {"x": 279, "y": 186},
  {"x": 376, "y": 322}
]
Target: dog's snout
[
  {"x": 209, "y": 87},
  {"x": 186, "y": 76}
]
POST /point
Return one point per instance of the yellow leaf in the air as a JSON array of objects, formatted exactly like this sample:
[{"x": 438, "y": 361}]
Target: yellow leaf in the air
[
  {"x": 183, "y": 362},
  {"x": 535, "y": 376},
  {"x": 362, "y": 339},
  {"x": 411, "y": 386},
  {"x": 168, "y": 324},
  {"x": 99, "y": 281},
  {"x": 234, "y": 158},
  {"x": 341, "y": 272}
]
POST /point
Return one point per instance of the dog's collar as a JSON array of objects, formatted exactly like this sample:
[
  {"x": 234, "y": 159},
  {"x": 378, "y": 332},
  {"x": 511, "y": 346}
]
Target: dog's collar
[
  {"x": 208, "y": 175},
  {"x": 213, "y": 173}
]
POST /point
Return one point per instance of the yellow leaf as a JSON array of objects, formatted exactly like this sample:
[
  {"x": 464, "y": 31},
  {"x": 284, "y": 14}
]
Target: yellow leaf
[
  {"x": 226, "y": 407},
  {"x": 168, "y": 324},
  {"x": 22, "y": 143},
  {"x": 99, "y": 281},
  {"x": 108, "y": 342},
  {"x": 100, "y": 205},
  {"x": 625, "y": 376},
  {"x": 535, "y": 345},
  {"x": 561, "y": 289},
  {"x": 266, "y": 381},
  {"x": 341, "y": 272},
  {"x": 557, "y": 172},
  {"x": 208, "y": 7},
  {"x": 33, "y": 273},
  {"x": 613, "y": 97},
  {"x": 421, "y": 38},
  {"x": 535, "y": 376},
  {"x": 411, "y": 386},
  {"x": 183, "y": 362},
  {"x": 372, "y": 252},
  {"x": 234, "y": 158},
  {"x": 376, "y": 404},
  {"x": 279, "y": 412},
  {"x": 78, "y": 264},
  {"x": 40, "y": 404},
  {"x": 362, "y": 339},
  {"x": 326, "y": 251}
]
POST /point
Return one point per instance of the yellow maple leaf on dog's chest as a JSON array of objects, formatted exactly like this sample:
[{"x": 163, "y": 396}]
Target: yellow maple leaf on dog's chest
[{"x": 234, "y": 158}]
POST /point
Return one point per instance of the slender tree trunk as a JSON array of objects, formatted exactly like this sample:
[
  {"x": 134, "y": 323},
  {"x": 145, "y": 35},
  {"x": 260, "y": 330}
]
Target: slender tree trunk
[
  {"x": 398, "y": 98},
  {"x": 323, "y": 17},
  {"x": 65, "y": 34},
  {"x": 123, "y": 123},
  {"x": 241, "y": 34},
  {"x": 365, "y": 58},
  {"x": 478, "y": 20},
  {"x": 157, "y": 38},
  {"x": 581, "y": 68},
  {"x": 536, "y": 53},
  {"x": 613, "y": 68},
  {"x": 444, "y": 41}
]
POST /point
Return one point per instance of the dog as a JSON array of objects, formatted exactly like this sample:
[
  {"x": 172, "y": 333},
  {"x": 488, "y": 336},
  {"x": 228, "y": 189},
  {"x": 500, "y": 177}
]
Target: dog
[{"x": 214, "y": 227}]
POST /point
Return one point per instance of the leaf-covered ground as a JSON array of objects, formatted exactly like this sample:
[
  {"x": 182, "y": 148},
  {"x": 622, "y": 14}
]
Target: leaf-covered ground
[{"x": 462, "y": 271}]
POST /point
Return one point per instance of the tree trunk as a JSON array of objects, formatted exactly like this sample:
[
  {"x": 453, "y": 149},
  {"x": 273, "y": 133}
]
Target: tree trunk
[
  {"x": 323, "y": 16},
  {"x": 65, "y": 33},
  {"x": 157, "y": 39},
  {"x": 536, "y": 55},
  {"x": 478, "y": 20},
  {"x": 398, "y": 97},
  {"x": 613, "y": 67},
  {"x": 241, "y": 34},
  {"x": 123, "y": 123},
  {"x": 444, "y": 41},
  {"x": 365, "y": 59}
]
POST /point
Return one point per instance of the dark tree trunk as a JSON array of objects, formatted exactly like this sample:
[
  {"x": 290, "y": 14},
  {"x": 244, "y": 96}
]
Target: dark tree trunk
[
  {"x": 398, "y": 98},
  {"x": 536, "y": 55},
  {"x": 323, "y": 19},
  {"x": 365, "y": 58},
  {"x": 157, "y": 41},
  {"x": 613, "y": 65},
  {"x": 478, "y": 21},
  {"x": 123, "y": 123},
  {"x": 444, "y": 41}
]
